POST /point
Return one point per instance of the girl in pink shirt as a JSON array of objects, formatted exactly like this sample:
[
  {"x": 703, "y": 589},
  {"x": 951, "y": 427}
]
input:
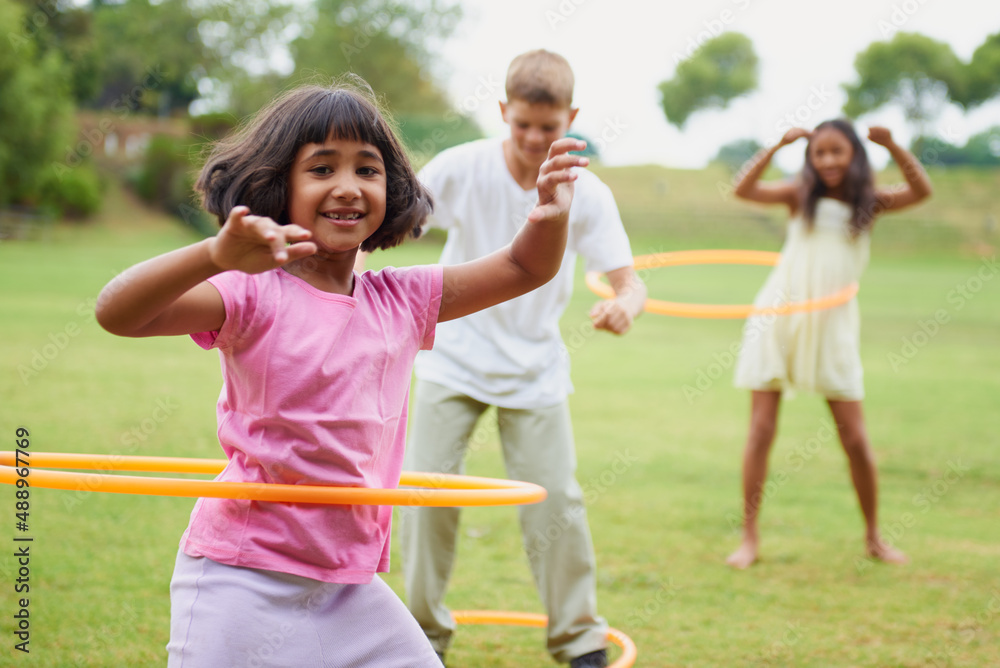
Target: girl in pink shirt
[{"x": 316, "y": 363}]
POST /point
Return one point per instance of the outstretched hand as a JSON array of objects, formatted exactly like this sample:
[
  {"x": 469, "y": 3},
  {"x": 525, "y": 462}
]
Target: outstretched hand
[
  {"x": 555, "y": 180},
  {"x": 880, "y": 135},
  {"x": 793, "y": 135},
  {"x": 254, "y": 244}
]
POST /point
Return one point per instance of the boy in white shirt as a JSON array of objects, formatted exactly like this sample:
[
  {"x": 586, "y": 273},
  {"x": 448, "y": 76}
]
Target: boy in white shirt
[{"x": 512, "y": 356}]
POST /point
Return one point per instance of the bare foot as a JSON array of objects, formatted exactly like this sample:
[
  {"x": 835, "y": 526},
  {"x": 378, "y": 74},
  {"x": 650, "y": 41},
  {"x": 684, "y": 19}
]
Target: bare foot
[
  {"x": 883, "y": 552},
  {"x": 744, "y": 556}
]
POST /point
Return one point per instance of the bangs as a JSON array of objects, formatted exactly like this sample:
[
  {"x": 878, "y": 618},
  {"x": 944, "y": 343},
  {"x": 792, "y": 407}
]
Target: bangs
[{"x": 343, "y": 115}]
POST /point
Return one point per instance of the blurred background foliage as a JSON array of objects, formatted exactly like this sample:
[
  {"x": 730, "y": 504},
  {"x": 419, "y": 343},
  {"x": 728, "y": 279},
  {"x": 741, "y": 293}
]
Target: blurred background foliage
[{"x": 133, "y": 90}]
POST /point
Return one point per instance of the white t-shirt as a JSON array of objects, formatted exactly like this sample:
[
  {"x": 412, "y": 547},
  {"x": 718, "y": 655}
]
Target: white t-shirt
[{"x": 512, "y": 354}]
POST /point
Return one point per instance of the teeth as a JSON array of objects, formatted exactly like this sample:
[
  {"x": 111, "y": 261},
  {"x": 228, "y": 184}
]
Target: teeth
[{"x": 341, "y": 216}]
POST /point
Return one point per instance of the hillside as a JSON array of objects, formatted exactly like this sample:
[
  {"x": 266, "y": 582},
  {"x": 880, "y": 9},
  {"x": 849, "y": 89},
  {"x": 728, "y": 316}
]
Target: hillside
[{"x": 692, "y": 207}]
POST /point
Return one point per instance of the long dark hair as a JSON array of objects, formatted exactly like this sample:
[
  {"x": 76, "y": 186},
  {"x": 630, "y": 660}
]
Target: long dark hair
[
  {"x": 859, "y": 184},
  {"x": 251, "y": 166}
]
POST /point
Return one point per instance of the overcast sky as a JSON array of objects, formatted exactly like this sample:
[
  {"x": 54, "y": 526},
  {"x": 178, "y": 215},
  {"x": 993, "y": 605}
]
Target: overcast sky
[{"x": 621, "y": 50}]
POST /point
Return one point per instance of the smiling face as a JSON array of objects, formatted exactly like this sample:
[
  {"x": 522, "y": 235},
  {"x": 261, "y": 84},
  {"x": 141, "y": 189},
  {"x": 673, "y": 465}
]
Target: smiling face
[
  {"x": 337, "y": 190},
  {"x": 533, "y": 128},
  {"x": 830, "y": 153}
]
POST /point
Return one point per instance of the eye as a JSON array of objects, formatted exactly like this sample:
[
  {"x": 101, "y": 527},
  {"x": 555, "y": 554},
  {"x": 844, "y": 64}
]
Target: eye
[
  {"x": 320, "y": 169},
  {"x": 549, "y": 128},
  {"x": 368, "y": 171}
]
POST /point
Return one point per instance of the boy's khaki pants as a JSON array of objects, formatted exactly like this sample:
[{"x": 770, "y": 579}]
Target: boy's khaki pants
[{"x": 538, "y": 448}]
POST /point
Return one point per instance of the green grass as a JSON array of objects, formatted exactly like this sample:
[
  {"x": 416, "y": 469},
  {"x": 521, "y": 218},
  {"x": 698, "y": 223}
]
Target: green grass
[{"x": 659, "y": 433}]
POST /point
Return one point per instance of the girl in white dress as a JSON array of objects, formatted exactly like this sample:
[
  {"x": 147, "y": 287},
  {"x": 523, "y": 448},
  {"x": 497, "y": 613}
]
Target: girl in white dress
[{"x": 832, "y": 204}]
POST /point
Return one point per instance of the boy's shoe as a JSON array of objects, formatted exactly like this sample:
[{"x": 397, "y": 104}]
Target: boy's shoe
[{"x": 598, "y": 659}]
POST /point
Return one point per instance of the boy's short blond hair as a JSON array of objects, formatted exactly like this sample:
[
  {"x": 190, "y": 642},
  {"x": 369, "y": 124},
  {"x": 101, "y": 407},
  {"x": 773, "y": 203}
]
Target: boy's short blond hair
[{"x": 540, "y": 77}]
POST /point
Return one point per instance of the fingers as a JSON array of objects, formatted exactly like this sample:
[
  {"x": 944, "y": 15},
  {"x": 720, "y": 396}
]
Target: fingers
[
  {"x": 610, "y": 316},
  {"x": 565, "y": 145},
  {"x": 794, "y": 134},
  {"x": 300, "y": 250},
  {"x": 255, "y": 243},
  {"x": 879, "y": 135}
]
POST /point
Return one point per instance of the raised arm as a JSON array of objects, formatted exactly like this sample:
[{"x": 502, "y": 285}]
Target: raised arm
[
  {"x": 616, "y": 315},
  {"x": 750, "y": 187},
  {"x": 168, "y": 295},
  {"x": 533, "y": 257},
  {"x": 917, "y": 186}
]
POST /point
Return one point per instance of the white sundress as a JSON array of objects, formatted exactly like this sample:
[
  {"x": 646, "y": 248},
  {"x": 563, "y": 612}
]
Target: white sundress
[{"x": 814, "y": 351}]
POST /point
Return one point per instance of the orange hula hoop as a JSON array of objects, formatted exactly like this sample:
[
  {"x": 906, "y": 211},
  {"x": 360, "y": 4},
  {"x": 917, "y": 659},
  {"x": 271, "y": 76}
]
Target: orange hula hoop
[
  {"x": 434, "y": 489},
  {"x": 686, "y": 310},
  {"x": 629, "y": 651}
]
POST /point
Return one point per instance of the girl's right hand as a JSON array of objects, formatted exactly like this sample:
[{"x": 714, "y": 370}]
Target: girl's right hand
[
  {"x": 793, "y": 135},
  {"x": 254, "y": 244}
]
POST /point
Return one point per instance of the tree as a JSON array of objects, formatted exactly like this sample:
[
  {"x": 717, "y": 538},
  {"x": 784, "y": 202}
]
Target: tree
[
  {"x": 735, "y": 154},
  {"x": 384, "y": 41},
  {"x": 719, "y": 71},
  {"x": 982, "y": 74},
  {"x": 35, "y": 113},
  {"x": 918, "y": 73},
  {"x": 981, "y": 150},
  {"x": 390, "y": 45}
]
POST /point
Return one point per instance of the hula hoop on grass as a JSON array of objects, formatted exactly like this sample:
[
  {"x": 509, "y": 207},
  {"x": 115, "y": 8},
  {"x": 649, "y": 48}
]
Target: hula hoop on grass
[
  {"x": 629, "y": 651},
  {"x": 685, "y": 310},
  {"x": 434, "y": 489}
]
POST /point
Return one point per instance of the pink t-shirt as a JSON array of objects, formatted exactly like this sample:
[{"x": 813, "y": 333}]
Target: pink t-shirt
[{"x": 315, "y": 390}]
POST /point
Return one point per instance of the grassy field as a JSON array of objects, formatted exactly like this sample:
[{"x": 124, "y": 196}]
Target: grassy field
[{"x": 659, "y": 432}]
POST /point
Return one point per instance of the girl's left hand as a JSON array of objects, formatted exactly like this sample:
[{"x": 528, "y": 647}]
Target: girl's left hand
[{"x": 880, "y": 135}]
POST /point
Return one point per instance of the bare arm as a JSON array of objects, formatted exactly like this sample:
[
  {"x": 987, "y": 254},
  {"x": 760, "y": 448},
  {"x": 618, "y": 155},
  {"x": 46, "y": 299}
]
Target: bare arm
[
  {"x": 750, "y": 187},
  {"x": 918, "y": 185},
  {"x": 168, "y": 295},
  {"x": 533, "y": 257},
  {"x": 616, "y": 315}
]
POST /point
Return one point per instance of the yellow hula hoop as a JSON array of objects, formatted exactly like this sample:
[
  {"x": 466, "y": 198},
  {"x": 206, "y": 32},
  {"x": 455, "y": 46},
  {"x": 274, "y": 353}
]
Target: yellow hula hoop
[
  {"x": 435, "y": 489},
  {"x": 629, "y": 651},
  {"x": 684, "y": 310}
]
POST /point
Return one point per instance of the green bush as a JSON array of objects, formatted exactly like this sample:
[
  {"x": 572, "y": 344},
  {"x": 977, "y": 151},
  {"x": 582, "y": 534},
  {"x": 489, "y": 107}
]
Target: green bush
[
  {"x": 75, "y": 192},
  {"x": 166, "y": 178}
]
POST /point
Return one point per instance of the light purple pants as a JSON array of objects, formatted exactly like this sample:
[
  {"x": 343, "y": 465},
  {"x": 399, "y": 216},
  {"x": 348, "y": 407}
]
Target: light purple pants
[{"x": 226, "y": 616}]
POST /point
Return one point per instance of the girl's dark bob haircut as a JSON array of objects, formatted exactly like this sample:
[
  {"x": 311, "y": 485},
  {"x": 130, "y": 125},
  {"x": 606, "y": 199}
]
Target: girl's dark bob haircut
[
  {"x": 859, "y": 184},
  {"x": 251, "y": 166}
]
